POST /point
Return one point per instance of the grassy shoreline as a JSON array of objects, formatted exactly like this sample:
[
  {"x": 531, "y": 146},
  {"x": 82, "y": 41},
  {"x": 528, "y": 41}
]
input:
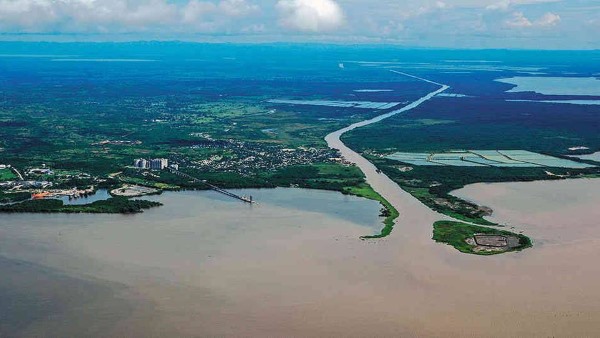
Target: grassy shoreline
[{"x": 388, "y": 211}]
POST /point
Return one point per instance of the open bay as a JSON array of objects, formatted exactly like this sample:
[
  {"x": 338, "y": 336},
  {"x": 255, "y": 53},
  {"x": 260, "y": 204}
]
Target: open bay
[{"x": 203, "y": 265}]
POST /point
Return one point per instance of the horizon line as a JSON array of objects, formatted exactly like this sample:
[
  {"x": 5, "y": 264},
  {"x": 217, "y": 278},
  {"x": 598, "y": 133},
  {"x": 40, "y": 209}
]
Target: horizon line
[{"x": 299, "y": 43}]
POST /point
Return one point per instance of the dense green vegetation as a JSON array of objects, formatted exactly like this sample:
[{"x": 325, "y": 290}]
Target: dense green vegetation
[
  {"x": 388, "y": 211},
  {"x": 456, "y": 234},
  {"x": 484, "y": 121},
  {"x": 10, "y": 197},
  {"x": 325, "y": 176},
  {"x": 115, "y": 205},
  {"x": 320, "y": 176}
]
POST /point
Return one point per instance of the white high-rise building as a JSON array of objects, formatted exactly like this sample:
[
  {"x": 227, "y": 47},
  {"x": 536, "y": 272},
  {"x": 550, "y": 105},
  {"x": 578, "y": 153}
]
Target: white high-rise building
[
  {"x": 141, "y": 163},
  {"x": 154, "y": 164},
  {"x": 159, "y": 163}
]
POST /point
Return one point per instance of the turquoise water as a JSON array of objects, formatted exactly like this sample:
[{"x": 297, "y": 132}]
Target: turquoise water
[{"x": 555, "y": 85}]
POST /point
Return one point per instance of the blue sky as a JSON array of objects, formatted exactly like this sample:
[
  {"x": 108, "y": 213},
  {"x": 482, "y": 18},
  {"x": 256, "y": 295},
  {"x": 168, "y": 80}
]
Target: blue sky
[{"x": 532, "y": 24}]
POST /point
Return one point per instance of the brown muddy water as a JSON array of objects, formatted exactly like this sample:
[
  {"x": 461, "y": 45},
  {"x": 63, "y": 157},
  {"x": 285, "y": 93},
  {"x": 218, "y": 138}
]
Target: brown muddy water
[{"x": 204, "y": 265}]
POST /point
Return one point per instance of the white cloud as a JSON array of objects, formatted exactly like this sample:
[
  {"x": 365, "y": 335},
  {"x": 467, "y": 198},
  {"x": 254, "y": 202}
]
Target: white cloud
[
  {"x": 548, "y": 19},
  {"x": 519, "y": 20},
  {"x": 507, "y": 4},
  {"x": 502, "y": 5},
  {"x": 454, "y": 23},
  {"x": 195, "y": 10},
  {"x": 237, "y": 7},
  {"x": 426, "y": 9},
  {"x": 116, "y": 15},
  {"x": 310, "y": 15}
]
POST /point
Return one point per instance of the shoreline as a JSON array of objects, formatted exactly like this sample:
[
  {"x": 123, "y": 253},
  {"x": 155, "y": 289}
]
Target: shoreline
[{"x": 488, "y": 193}]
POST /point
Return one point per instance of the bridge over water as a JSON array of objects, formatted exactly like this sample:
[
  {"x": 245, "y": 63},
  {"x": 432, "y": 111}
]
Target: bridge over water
[{"x": 213, "y": 187}]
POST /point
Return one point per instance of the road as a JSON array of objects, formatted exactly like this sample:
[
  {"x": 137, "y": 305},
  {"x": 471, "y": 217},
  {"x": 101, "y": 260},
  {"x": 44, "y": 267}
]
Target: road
[{"x": 18, "y": 173}]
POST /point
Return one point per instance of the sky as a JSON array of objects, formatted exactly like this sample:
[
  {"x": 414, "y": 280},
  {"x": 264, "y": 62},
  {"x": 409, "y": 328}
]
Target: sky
[{"x": 523, "y": 24}]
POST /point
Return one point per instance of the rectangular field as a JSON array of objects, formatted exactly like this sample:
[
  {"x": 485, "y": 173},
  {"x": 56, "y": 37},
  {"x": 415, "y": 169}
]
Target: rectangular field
[
  {"x": 418, "y": 159},
  {"x": 487, "y": 158},
  {"x": 542, "y": 160}
]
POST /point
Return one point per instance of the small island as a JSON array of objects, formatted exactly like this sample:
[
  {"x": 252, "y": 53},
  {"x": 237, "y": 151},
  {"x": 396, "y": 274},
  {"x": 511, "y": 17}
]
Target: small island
[{"x": 479, "y": 240}]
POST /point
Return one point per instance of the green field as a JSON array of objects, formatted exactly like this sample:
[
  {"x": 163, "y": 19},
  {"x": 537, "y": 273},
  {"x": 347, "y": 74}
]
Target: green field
[{"x": 7, "y": 175}]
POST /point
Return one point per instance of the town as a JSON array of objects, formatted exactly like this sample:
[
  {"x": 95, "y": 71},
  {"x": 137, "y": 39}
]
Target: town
[
  {"x": 143, "y": 176},
  {"x": 246, "y": 158}
]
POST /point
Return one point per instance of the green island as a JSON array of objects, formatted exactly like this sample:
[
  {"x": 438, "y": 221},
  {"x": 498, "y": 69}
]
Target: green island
[
  {"x": 480, "y": 240},
  {"x": 114, "y": 205},
  {"x": 388, "y": 211}
]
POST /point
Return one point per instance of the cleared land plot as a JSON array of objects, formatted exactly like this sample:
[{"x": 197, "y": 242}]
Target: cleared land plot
[
  {"x": 133, "y": 191},
  {"x": 483, "y": 158},
  {"x": 340, "y": 104},
  {"x": 491, "y": 240}
]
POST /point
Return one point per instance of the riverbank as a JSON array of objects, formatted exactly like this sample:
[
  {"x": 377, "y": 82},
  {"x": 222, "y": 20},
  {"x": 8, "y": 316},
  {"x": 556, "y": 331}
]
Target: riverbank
[
  {"x": 388, "y": 211},
  {"x": 545, "y": 210}
]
